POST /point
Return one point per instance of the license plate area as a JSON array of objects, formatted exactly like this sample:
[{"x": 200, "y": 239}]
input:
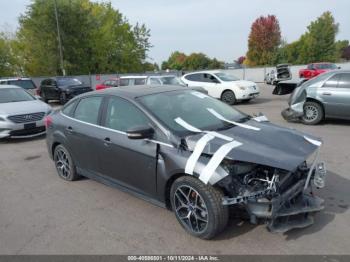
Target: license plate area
[{"x": 30, "y": 126}]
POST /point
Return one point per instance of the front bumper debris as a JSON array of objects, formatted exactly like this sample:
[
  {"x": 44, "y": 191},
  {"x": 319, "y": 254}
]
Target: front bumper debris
[{"x": 291, "y": 115}]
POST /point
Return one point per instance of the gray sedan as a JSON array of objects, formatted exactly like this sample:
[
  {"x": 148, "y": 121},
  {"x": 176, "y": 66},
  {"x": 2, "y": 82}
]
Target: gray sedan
[
  {"x": 21, "y": 114},
  {"x": 325, "y": 96}
]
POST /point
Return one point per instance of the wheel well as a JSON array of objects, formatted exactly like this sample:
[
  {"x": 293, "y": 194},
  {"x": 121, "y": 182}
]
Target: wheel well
[
  {"x": 309, "y": 99},
  {"x": 168, "y": 185},
  {"x": 226, "y": 91},
  {"x": 54, "y": 146}
]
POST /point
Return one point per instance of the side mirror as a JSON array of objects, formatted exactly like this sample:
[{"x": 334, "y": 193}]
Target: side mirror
[
  {"x": 140, "y": 132},
  {"x": 339, "y": 67}
]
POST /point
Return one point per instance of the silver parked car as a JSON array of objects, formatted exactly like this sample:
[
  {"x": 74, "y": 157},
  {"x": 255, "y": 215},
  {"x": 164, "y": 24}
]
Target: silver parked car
[
  {"x": 325, "y": 96},
  {"x": 21, "y": 114}
]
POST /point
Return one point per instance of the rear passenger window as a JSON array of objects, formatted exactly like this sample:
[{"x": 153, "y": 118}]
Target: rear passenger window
[
  {"x": 344, "y": 81},
  {"x": 124, "y": 82},
  {"x": 88, "y": 109},
  {"x": 194, "y": 77},
  {"x": 140, "y": 81},
  {"x": 332, "y": 82},
  {"x": 68, "y": 109}
]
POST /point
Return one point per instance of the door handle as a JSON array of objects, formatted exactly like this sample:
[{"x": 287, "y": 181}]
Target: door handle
[
  {"x": 327, "y": 93},
  {"x": 70, "y": 130},
  {"x": 107, "y": 141}
]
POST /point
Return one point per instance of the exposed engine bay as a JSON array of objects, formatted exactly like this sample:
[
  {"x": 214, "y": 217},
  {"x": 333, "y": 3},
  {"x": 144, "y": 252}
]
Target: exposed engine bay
[{"x": 277, "y": 196}]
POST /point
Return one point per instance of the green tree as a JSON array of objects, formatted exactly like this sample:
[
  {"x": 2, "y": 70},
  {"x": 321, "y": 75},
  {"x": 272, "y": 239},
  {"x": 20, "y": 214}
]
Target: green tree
[
  {"x": 340, "y": 47},
  {"x": 318, "y": 43},
  {"x": 96, "y": 39},
  {"x": 264, "y": 39},
  {"x": 195, "y": 61},
  {"x": 7, "y": 59}
]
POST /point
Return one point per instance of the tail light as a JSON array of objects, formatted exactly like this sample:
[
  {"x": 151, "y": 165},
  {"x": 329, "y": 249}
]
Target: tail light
[
  {"x": 48, "y": 121},
  {"x": 37, "y": 91}
]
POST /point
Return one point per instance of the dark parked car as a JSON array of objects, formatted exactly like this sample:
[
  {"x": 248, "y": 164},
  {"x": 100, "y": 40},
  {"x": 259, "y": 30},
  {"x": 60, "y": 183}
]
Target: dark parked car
[
  {"x": 191, "y": 153},
  {"x": 325, "y": 96},
  {"x": 62, "y": 89},
  {"x": 25, "y": 83}
]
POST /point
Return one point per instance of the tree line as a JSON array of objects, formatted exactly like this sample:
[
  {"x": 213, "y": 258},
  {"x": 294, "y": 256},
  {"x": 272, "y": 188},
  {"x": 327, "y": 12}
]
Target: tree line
[{"x": 95, "y": 38}]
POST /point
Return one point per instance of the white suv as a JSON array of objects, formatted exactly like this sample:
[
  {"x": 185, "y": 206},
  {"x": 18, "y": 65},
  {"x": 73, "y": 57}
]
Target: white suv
[{"x": 223, "y": 86}]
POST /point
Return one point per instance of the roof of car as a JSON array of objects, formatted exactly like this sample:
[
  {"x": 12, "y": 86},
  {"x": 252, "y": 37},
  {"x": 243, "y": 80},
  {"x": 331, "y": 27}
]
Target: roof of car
[
  {"x": 205, "y": 72},
  {"x": 9, "y": 86},
  {"x": 15, "y": 79},
  {"x": 124, "y": 77},
  {"x": 138, "y": 91}
]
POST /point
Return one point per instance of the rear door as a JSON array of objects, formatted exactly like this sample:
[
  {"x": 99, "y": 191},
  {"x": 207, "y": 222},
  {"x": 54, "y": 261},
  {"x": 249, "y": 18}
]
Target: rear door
[
  {"x": 82, "y": 133},
  {"x": 335, "y": 94},
  {"x": 131, "y": 163}
]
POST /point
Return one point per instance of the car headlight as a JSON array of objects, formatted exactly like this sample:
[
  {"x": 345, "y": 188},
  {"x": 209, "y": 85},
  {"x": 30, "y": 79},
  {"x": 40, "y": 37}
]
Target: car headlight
[{"x": 2, "y": 119}]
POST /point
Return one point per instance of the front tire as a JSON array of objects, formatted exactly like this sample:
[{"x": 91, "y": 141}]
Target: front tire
[
  {"x": 63, "y": 98},
  {"x": 44, "y": 97},
  {"x": 64, "y": 164},
  {"x": 228, "y": 97},
  {"x": 198, "y": 207},
  {"x": 313, "y": 113}
]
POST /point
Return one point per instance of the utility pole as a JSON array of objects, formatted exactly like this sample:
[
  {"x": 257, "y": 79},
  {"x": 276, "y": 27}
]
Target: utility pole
[{"x": 59, "y": 39}]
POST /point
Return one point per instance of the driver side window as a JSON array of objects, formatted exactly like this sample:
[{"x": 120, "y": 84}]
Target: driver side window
[
  {"x": 122, "y": 115},
  {"x": 209, "y": 78}
]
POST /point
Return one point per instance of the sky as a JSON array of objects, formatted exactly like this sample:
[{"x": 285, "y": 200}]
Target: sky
[{"x": 218, "y": 28}]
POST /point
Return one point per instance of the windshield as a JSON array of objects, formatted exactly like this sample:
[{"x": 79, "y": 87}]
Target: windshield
[
  {"x": 171, "y": 80},
  {"x": 26, "y": 84},
  {"x": 8, "y": 95},
  {"x": 192, "y": 107},
  {"x": 225, "y": 77},
  {"x": 326, "y": 66},
  {"x": 68, "y": 82}
]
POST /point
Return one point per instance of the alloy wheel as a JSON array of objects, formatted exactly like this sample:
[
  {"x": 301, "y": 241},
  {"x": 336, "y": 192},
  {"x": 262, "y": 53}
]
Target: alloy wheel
[
  {"x": 62, "y": 163},
  {"x": 310, "y": 113},
  {"x": 191, "y": 209}
]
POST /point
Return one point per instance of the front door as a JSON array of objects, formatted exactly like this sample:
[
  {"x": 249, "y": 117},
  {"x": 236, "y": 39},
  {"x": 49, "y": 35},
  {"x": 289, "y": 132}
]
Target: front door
[{"x": 132, "y": 163}]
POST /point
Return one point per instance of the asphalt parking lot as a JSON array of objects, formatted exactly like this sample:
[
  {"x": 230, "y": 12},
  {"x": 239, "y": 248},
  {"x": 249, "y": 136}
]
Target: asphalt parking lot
[{"x": 42, "y": 214}]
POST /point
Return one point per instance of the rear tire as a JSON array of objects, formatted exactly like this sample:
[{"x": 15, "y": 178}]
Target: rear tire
[
  {"x": 313, "y": 113},
  {"x": 198, "y": 207},
  {"x": 65, "y": 166},
  {"x": 228, "y": 97}
]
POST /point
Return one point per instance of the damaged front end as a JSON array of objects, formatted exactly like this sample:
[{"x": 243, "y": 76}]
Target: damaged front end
[
  {"x": 282, "y": 199},
  {"x": 296, "y": 105}
]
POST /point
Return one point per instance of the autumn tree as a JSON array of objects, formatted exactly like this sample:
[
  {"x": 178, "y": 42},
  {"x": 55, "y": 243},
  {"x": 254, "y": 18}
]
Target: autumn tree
[{"x": 264, "y": 39}]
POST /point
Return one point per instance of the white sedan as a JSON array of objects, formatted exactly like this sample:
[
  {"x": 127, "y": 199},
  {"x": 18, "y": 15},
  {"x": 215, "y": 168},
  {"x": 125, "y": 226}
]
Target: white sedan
[{"x": 223, "y": 86}]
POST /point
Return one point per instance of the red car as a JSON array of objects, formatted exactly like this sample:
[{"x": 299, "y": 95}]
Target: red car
[
  {"x": 112, "y": 82},
  {"x": 315, "y": 69}
]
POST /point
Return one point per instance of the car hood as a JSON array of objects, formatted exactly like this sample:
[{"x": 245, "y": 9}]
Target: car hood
[
  {"x": 26, "y": 107},
  {"x": 272, "y": 145}
]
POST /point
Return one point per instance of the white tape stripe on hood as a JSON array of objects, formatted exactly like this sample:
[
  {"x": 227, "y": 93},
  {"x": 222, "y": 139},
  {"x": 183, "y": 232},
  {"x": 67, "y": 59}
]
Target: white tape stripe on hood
[
  {"x": 191, "y": 128},
  {"x": 216, "y": 114},
  {"x": 313, "y": 141},
  {"x": 261, "y": 119},
  {"x": 216, "y": 159},
  {"x": 198, "y": 150}
]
